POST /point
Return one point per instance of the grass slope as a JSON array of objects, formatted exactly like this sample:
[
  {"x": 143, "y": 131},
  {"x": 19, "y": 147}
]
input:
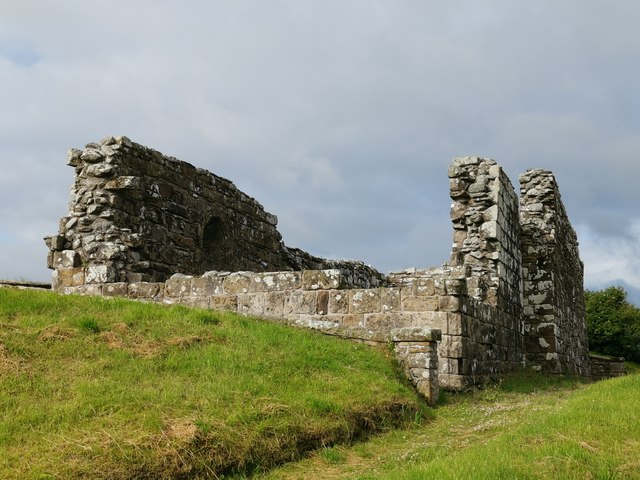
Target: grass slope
[
  {"x": 530, "y": 427},
  {"x": 109, "y": 388}
]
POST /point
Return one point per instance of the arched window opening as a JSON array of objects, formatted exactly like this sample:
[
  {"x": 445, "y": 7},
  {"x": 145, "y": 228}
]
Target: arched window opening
[{"x": 216, "y": 246}]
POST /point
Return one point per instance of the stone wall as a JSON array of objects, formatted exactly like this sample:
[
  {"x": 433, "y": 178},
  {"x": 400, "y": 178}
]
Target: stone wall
[
  {"x": 137, "y": 215},
  {"x": 606, "y": 367},
  {"x": 554, "y": 311},
  {"x": 153, "y": 228},
  {"x": 486, "y": 237}
]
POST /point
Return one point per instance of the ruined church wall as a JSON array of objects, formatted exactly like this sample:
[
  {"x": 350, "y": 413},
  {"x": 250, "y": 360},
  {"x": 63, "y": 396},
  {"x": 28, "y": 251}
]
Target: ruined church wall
[
  {"x": 480, "y": 342},
  {"x": 554, "y": 311},
  {"x": 486, "y": 239},
  {"x": 485, "y": 217},
  {"x": 150, "y": 227},
  {"x": 137, "y": 215}
]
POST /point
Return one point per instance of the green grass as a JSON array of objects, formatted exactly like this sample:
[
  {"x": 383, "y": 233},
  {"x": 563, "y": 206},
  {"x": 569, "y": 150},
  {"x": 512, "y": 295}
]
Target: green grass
[
  {"x": 96, "y": 388},
  {"x": 528, "y": 427},
  {"x": 109, "y": 388}
]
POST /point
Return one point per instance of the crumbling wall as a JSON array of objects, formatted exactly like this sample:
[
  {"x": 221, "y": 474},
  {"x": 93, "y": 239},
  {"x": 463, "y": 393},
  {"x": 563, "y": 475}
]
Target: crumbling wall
[
  {"x": 554, "y": 311},
  {"x": 153, "y": 228},
  {"x": 137, "y": 215},
  {"x": 486, "y": 237},
  {"x": 486, "y": 242}
]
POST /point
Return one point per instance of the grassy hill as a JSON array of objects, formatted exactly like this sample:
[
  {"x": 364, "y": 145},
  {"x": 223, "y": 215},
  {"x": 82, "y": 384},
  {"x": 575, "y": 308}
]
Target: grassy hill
[
  {"x": 528, "y": 427},
  {"x": 97, "y": 388},
  {"x": 109, "y": 388}
]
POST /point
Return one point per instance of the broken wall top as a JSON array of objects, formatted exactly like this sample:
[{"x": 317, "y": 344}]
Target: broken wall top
[{"x": 138, "y": 215}]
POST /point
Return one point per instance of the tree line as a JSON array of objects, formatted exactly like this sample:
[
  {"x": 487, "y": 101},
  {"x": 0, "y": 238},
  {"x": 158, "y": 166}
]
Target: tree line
[{"x": 613, "y": 323}]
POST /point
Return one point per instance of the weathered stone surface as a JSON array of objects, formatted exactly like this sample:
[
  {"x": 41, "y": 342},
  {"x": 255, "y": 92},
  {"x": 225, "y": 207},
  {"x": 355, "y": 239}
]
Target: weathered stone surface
[
  {"x": 420, "y": 304},
  {"x": 147, "y": 226},
  {"x": 178, "y": 286},
  {"x": 148, "y": 216},
  {"x": 224, "y": 302},
  {"x": 415, "y": 349},
  {"x": 66, "y": 259},
  {"x": 100, "y": 274},
  {"x": 606, "y": 367},
  {"x": 322, "y": 279},
  {"x": 207, "y": 285},
  {"x": 146, "y": 290},
  {"x": 338, "y": 301},
  {"x": 116, "y": 289},
  {"x": 553, "y": 307},
  {"x": 67, "y": 277},
  {"x": 365, "y": 301}
]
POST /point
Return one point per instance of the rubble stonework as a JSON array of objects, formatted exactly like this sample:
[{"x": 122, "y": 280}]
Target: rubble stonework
[
  {"x": 149, "y": 227},
  {"x": 486, "y": 238},
  {"x": 137, "y": 215},
  {"x": 554, "y": 311}
]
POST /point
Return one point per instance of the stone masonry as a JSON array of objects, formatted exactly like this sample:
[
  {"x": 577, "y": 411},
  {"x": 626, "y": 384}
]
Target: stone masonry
[
  {"x": 137, "y": 215},
  {"x": 554, "y": 312},
  {"x": 149, "y": 227}
]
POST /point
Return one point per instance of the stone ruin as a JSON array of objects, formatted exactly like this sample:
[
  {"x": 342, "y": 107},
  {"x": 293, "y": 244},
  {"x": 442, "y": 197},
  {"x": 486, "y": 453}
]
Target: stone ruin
[{"x": 147, "y": 226}]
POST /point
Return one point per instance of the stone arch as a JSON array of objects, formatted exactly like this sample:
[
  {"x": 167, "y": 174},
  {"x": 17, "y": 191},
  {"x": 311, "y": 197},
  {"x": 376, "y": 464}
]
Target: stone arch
[{"x": 217, "y": 246}]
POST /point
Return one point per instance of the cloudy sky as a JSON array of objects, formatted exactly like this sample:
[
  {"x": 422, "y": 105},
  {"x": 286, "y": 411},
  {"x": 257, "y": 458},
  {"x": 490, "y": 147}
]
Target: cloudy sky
[{"x": 340, "y": 116}]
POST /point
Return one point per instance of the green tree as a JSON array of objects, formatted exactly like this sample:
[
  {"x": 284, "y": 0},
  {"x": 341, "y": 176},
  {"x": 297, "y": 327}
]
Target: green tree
[{"x": 613, "y": 324}]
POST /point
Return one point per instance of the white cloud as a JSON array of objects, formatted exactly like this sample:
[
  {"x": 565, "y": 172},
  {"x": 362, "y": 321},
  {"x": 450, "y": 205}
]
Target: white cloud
[{"x": 611, "y": 259}]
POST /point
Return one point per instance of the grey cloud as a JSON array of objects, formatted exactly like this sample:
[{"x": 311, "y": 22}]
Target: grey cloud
[{"x": 339, "y": 116}]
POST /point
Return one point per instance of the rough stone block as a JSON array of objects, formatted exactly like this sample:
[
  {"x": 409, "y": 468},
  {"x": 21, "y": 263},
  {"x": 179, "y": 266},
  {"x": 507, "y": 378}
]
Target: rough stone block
[
  {"x": 449, "y": 303},
  {"x": 300, "y": 302},
  {"x": 135, "y": 277},
  {"x": 238, "y": 282},
  {"x": 353, "y": 320},
  {"x": 55, "y": 242},
  {"x": 278, "y": 281},
  {"x": 198, "y": 302},
  {"x": 274, "y": 306},
  {"x": 456, "y": 286},
  {"x": 123, "y": 183},
  {"x": 66, "y": 259},
  {"x": 322, "y": 302},
  {"x": 452, "y": 346},
  {"x": 252, "y": 303},
  {"x": 390, "y": 300},
  {"x": 207, "y": 285},
  {"x": 178, "y": 286},
  {"x": 148, "y": 290},
  {"x": 420, "y": 304},
  {"x": 415, "y": 334},
  {"x": 424, "y": 286},
  {"x": 458, "y": 325},
  {"x": 454, "y": 382},
  {"x": 115, "y": 289},
  {"x": 382, "y": 322},
  {"x": 100, "y": 274},
  {"x": 322, "y": 279},
  {"x": 364, "y": 301},
  {"x": 338, "y": 301},
  {"x": 224, "y": 302},
  {"x": 439, "y": 286},
  {"x": 435, "y": 320}
]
